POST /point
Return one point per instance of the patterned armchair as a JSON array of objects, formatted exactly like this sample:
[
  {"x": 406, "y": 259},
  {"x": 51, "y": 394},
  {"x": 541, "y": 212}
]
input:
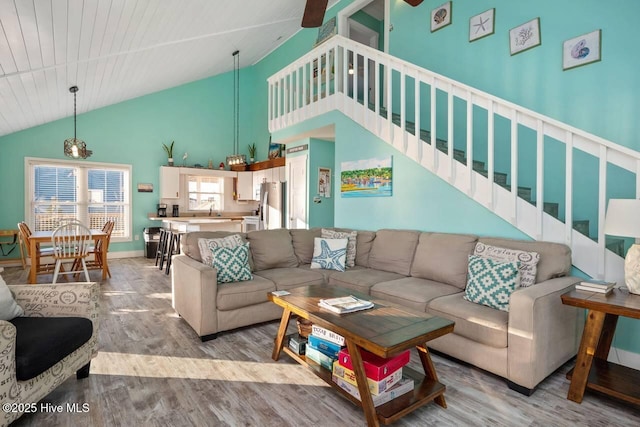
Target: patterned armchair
[{"x": 21, "y": 383}]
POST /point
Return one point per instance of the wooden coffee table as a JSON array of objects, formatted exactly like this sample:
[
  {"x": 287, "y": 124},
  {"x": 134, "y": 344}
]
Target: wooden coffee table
[
  {"x": 384, "y": 330},
  {"x": 592, "y": 370}
]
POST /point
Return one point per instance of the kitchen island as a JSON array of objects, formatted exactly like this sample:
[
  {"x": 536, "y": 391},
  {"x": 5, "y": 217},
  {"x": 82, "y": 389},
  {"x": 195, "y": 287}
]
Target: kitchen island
[{"x": 185, "y": 224}]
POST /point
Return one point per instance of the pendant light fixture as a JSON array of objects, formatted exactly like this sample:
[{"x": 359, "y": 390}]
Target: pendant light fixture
[
  {"x": 74, "y": 147},
  {"x": 236, "y": 159}
]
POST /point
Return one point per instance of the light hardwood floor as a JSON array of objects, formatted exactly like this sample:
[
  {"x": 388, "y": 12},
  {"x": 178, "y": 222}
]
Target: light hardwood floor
[{"x": 153, "y": 370}]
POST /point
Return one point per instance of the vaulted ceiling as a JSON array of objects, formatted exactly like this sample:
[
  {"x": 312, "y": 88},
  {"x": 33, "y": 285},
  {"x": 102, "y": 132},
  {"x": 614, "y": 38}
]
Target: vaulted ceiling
[{"x": 115, "y": 50}]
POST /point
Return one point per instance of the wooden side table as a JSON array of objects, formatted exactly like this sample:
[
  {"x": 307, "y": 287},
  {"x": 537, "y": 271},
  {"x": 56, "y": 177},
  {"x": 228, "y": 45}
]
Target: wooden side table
[{"x": 592, "y": 371}]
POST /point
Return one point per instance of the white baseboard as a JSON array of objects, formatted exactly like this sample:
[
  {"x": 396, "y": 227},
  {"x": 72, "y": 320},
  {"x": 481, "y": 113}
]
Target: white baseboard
[{"x": 623, "y": 357}]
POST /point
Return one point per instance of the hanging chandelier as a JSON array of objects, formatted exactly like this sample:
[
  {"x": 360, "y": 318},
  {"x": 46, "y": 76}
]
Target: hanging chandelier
[{"x": 74, "y": 147}]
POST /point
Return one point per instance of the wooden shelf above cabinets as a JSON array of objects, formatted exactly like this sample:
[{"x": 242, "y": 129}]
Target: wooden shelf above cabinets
[{"x": 267, "y": 164}]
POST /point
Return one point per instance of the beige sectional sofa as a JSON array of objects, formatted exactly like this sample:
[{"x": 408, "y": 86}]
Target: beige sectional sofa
[{"x": 421, "y": 270}]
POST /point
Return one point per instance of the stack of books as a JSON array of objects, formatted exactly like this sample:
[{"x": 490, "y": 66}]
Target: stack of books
[
  {"x": 384, "y": 376},
  {"x": 344, "y": 305},
  {"x": 323, "y": 346},
  {"x": 596, "y": 286}
]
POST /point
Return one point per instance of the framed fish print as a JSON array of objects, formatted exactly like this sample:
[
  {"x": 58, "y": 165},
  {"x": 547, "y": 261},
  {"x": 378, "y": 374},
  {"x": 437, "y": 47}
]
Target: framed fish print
[{"x": 582, "y": 50}]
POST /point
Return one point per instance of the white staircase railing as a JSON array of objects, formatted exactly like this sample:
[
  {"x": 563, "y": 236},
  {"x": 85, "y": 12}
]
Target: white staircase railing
[{"x": 332, "y": 77}]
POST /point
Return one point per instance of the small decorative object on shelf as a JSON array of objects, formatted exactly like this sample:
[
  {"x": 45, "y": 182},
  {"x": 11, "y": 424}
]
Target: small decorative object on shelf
[
  {"x": 252, "y": 152},
  {"x": 210, "y": 164},
  {"x": 304, "y": 327},
  {"x": 169, "y": 150},
  {"x": 221, "y": 166}
]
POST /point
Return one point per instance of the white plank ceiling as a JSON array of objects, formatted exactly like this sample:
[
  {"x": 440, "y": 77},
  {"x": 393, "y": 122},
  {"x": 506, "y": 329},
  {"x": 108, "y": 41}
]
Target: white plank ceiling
[{"x": 115, "y": 50}]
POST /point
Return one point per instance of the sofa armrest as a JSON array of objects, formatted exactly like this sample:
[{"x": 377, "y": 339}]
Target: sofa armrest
[
  {"x": 79, "y": 299},
  {"x": 194, "y": 289},
  {"x": 543, "y": 332}
]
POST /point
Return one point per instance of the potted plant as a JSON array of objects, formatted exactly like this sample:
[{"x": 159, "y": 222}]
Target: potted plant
[
  {"x": 252, "y": 152},
  {"x": 169, "y": 150}
]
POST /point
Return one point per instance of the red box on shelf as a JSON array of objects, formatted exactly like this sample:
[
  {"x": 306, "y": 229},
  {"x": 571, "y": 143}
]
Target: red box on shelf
[{"x": 375, "y": 367}]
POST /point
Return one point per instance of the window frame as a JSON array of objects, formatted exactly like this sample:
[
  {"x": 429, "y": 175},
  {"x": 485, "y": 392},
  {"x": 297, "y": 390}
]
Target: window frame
[
  {"x": 221, "y": 183},
  {"x": 83, "y": 202}
]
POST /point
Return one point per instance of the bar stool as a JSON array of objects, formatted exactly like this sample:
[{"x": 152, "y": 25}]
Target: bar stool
[
  {"x": 162, "y": 245},
  {"x": 173, "y": 248}
]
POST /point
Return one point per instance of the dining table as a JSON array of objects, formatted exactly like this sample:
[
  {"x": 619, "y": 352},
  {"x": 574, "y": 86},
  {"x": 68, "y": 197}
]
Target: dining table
[{"x": 45, "y": 237}]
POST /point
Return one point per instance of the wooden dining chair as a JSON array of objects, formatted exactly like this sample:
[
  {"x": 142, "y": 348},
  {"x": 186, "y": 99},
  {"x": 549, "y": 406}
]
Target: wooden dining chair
[
  {"x": 36, "y": 258},
  {"x": 95, "y": 262},
  {"x": 70, "y": 244}
]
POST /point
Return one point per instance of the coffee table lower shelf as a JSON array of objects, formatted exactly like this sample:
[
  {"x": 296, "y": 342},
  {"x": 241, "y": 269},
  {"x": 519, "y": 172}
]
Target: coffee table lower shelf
[{"x": 424, "y": 391}]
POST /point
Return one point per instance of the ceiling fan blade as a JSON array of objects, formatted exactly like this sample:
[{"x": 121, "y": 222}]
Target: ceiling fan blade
[
  {"x": 413, "y": 3},
  {"x": 314, "y": 13}
]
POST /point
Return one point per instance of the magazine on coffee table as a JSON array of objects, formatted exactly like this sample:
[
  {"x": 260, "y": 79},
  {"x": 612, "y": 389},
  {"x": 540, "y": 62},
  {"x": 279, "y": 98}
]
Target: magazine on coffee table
[{"x": 345, "y": 304}]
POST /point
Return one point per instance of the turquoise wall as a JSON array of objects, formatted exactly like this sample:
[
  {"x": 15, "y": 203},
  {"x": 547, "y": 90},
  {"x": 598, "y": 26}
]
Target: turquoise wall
[{"x": 198, "y": 116}]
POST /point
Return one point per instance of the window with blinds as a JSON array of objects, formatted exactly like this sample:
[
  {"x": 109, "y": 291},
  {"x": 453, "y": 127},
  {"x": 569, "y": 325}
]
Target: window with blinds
[{"x": 89, "y": 192}]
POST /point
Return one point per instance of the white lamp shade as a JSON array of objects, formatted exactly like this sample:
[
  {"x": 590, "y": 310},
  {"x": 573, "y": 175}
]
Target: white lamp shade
[{"x": 623, "y": 218}]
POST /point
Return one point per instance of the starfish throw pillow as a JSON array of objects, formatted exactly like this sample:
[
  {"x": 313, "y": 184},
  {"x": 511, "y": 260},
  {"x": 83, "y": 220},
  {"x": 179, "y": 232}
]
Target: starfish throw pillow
[{"x": 329, "y": 254}]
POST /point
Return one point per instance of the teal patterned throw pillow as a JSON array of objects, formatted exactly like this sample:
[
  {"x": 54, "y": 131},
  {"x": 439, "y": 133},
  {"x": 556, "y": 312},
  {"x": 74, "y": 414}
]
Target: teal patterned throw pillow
[
  {"x": 491, "y": 282},
  {"x": 232, "y": 263}
]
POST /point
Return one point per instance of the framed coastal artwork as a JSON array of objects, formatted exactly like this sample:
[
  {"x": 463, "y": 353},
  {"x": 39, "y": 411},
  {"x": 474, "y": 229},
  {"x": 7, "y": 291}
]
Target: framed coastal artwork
[
  {"x": 441, "y": 16},
  {"x": 482, "y": 25},
  {"x": 367, "y": 178},
  {"x": 581, "y": 50},
  {"x": 275, "y": 150},
  {"x": 525, "y": 36}
]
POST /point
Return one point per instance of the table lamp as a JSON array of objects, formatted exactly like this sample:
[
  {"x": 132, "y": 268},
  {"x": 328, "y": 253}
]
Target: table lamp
[{"x": 623, "y": 219}]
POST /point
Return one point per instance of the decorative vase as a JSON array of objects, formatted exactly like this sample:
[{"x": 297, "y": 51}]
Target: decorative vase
[
  {"x": 251, "y": 160},
  {"x": 632, "y": 269},
  {"x": 170, "y": 160}
]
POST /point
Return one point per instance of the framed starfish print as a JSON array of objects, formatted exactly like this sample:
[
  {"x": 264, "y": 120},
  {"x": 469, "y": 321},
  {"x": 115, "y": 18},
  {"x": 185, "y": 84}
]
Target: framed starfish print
[{"x": 482, "y": 25}]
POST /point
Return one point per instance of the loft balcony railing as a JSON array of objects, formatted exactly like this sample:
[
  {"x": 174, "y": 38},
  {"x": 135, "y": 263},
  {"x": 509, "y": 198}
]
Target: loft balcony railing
[{"x": 483, "y": 145}]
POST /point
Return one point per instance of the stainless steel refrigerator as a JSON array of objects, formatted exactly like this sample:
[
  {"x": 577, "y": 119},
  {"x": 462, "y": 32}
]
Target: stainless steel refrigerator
[{"x": 272, "y": 205}]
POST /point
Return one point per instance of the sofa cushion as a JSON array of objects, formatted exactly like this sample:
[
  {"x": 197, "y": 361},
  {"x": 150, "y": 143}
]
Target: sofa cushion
[
  {"x": 329, "y": 254},
  {"x": 364, "y": 242},
  {"x": 232, "y": 264},
  {"x": 242, "y": 294},
  {"x": 351, "y": 244},
  {"x": 206, "y": 246},
  {"x": 326, "y": 273},
  {"x": 272, "y": 249},
  {"x": 189, "y": 242},
  {"x": 443, "y": 258},
  {"x": 555, "y": 258},
  {"x": 527, "y": 261},
  {"x": 476, "y": 322},
  {"x": 41, "y": 342},
  {"x": 491, "y": 282},
  {"x": 302, "y": 241},
  {"x": 393, "y": 251},
  {"x": 361, "y": 279},
  {"x": 412, "y": 292},
  {"x": 9, "y": 308},
  {"x": 287, "y": 278}
]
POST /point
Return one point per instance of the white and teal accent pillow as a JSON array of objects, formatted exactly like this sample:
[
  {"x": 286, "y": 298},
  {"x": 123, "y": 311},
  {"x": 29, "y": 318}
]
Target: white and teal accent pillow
[
  {"x": 491, "y": 282},
  {"x": 232, "y": 264},
  {"x": 329, "y": 254},
  {"x": 527, "y": 261}
]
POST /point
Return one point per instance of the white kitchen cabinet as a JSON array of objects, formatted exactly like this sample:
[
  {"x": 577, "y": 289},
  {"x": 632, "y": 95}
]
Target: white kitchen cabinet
[
  {"x": 245, "y": 188},
  {"x": 169, "y": 182},
  {"x": 282, "y": 174}
]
